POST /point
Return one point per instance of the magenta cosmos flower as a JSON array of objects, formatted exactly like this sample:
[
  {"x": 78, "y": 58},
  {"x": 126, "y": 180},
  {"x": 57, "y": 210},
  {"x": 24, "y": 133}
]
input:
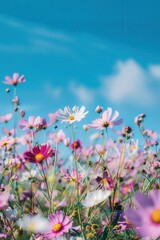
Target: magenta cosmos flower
[
  {"x": 106, "y": 120},
  {"x": 39, "y": 153},
  {"x": 14, "y": 80},
  {"x": 59, "y": 224},
  {"x": 146, "y": 218}
]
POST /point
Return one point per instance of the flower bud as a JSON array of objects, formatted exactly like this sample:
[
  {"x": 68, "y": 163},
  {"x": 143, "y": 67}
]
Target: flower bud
[{"x": 99, "y": 109}]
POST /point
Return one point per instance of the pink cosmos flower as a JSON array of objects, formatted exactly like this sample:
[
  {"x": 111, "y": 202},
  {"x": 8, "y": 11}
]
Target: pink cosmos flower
[
  {"x": 4, "y": 196},
  {"x": 151, "y": 134},
  {"x": 106, "y": 120},
  {"x": 32, "y": 122},
  {"x": 3, "y": 235},
  {"x": 57, "y": 137},
  {"x": 146, "y": 218},
  {"x": 5, "y": 118},
  {"x": 6, "y": 142},
  {"x": 8, "y": 132},
  {"x": 73, "y": 176},
  {"x": 59, "y": 224},
  {"x": 127, "y": 188},
  {"x": 14, "y": 80},
  {"x": 87, "y": 152},
  {"x": 52, "y": 118},
  {"x": 39, "y": 153}
]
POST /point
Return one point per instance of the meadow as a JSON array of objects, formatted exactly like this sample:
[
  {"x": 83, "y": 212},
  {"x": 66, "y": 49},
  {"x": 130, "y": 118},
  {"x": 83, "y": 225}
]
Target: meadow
[{"x": 109, "y": 189}]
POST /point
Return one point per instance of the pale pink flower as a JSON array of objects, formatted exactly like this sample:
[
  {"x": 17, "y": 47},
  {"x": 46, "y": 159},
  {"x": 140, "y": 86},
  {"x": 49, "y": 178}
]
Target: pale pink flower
[
  {"x": 87, "y": 152},
  {"x": 57, "y": 137},
  {"x": 106, "y": 120},
  {"x": 5, "y": 118},
  {"x": 14, "y": 80},
  {"x": 151, "y": 134},
  {"x": 6, "y": 142},
  {"x": 146, "y": 217},
  {"x": 15, "y": 100},
  {"x": 72, "y": 177},
  {"x": 52, "y": 118},
  {"x": 4, "y": 196},
  {"x": 66, "y": 142},
  {"x": 32, "y": 122},
  {"x": 8, "y": 132}
]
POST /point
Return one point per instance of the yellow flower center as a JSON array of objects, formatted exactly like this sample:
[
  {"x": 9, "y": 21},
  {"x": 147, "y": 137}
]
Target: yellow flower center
[
  {"x": 39, "y": 157},
  {"x": 71, "y": 118},
  {"x": 4, "y": 144},
  {"x": 57, "y": 227},
  {"x": 55, "y": 203},
  {"x": 155, "y": 216},
  {"x": 32, "y": 227},
  {"x": 104, "y": 180}
]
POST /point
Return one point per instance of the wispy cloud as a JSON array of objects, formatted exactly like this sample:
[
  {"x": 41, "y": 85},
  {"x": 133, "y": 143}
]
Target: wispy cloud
[
  {"x": 34, "y": 38},
  {"x": 130, "y": 83},
  {"x": 54, "y": 92},
  {"x": 41, "y": 31},
  {"x": 84, "y": 94},
  {"x": 11, "y": 22},
  {"x": 155, "y": 71}
]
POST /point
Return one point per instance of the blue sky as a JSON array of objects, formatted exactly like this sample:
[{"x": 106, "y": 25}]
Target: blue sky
[{"x": 75, "y": 52}]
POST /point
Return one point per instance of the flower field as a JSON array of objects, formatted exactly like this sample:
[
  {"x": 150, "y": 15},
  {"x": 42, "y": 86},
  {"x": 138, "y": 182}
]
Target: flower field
[{"x": 108, "y": 189}]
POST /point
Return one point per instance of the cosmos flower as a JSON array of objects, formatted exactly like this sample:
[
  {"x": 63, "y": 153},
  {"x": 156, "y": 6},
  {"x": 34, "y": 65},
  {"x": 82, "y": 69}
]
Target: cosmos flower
[
  {"x": 76, "y": 145},
  {"x": 4, "y": 196},
  {"x": 39, "y": 153},
  {"x": 28, "y": 175},
  {"x": 6, "y": 142},
  {"x": 58, "y": 224},
  {"x": 35, "y": 223},
  {"x": 71, "y": 115},
  {"x": 31, "y": 123},
  {"x": 72, "y": 177},
  {"x": 95, "y": 197},
  {"x": 5, "y": 118},
  {"x": 14, "y": 80},
  {"x": 58, "y": 136},
  {"x": 146, "y": 217},
  {"x": 105, "y": 181},
  {"x": 106, "y": 120}
]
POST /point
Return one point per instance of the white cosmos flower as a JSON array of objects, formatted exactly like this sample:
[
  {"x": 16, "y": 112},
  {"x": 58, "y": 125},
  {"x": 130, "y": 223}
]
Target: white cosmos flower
[
  {"x": 35, "y": 223},
  {"x": 27, "y": 175},
  {"x": 71, "y": 115},
  {"x": 95, "y": 197}
]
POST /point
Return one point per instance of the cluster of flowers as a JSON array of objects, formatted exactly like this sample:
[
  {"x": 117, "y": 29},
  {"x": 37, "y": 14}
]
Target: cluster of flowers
[{"x": 54, "y": 187}]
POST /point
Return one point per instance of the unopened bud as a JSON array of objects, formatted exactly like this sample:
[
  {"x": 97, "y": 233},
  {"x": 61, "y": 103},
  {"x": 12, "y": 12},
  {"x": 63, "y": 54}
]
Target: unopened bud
[
  {"x": 85, "y": 127},
  {"x": 99, "y": 109},
  {"x": 22, "y": 113},
  {"x": 8, "y": 90}
]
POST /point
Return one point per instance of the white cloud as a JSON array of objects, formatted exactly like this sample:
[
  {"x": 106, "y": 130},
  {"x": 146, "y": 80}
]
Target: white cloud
[
  {"x": 54, "y": 92},
  {"x": 155, "y": 71},
  {"x": 128, "y": 84},
  {"x": 85, "y": 95}
]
